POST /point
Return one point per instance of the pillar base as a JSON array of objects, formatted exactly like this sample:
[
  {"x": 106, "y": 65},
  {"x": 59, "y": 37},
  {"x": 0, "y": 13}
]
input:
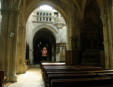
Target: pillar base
[
  {"x": 12, "y": 78},
  {"x": 21, "y": 69}
]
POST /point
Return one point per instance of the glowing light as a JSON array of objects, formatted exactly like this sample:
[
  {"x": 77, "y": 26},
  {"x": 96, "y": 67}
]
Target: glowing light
[{"x": 45, "y": 7}]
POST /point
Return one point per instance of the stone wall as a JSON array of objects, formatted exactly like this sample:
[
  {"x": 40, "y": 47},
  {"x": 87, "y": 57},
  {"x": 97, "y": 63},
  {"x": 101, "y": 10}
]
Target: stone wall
[{"x": 51, "y": 20}]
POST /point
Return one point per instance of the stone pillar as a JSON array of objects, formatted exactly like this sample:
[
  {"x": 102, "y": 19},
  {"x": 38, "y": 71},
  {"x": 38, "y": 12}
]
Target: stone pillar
[
  {"x": 31, "y": 56},
  {"x": 53, "y": 53},
  {"x": 111, "y": 31},
  {"x": 62, "y": 51},
  {"x": 3, "y": 40},
  {"x": 21, "y": 42},
  {"x": 8, "y": 42},
  {"x": 57, "y": 52},
  {"x": 11, "y": 46},
  {"x": 108, "y": 37},
  {"x": 68, "y": 57},
  {"x": 69, "y": 36},
  {"x": 21, "y": 46},
  {"x": 21, "y": 62}
]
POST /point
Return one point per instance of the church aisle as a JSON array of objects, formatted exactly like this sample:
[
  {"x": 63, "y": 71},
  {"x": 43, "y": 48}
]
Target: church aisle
[{"x": 32, "y": 78}]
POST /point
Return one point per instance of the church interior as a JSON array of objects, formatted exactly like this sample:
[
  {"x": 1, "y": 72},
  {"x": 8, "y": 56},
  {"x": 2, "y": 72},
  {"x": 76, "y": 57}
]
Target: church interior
[{"x": 56, "y": 43}]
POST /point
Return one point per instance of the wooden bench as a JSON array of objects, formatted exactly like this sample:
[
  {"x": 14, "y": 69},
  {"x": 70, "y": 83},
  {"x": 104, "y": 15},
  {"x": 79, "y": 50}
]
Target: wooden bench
[
  {"x": 67, "y": 69},
  {"x": 51, "y": 64},
  {"x": 80, "y": 68},
  {"x": 104, "y": 81},
  {"x": 99, "y": 72},
  {"x": 65, "y": 76},
  {"x": 73, "y": 76},
  {"x": 1, "y": 78},
  {"x": 69, "y": 76}
]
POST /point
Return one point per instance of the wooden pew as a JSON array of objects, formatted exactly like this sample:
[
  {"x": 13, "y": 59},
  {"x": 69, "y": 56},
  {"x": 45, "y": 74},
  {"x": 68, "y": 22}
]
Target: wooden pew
[
  {"x": 46, "y": 66},
  {"x": 103, "y": 81},
  {"x": 67, "y": 69},
  {"x": 60, "y": 67},
  {"x": 1, "y": 78},
  {"x": 58, "y": 72},
  {"x": 54, "y": 75},
  {"x": 51, "y": 64},
  {"x": 69, "y": 76},
  {"x": 73, "y": 76}
]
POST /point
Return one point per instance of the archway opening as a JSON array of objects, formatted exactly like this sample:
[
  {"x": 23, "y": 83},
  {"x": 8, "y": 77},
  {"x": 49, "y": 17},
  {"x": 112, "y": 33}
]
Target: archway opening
[
  {"x": 92, "y": 47},
  {"x": 42, "y": 20},
  {"x": 44, "y": 38}
]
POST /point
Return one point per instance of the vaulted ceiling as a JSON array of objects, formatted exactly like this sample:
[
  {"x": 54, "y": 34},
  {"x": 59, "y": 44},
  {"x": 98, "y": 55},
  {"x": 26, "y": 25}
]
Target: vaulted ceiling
[
  {"x": 66, "y": 7},
  {"x": 70, "y": 9}
]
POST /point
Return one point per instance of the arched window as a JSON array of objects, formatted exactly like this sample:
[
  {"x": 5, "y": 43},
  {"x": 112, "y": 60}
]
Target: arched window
[
  {"x": 43, "y": 18},
  {"x": 37, "y": 13},
  {"x": 49, "y": 19},
  {"x": 47, "y": 14},
  {"x": 46, "y": 19},
  {"x": 40, "y": 19}
]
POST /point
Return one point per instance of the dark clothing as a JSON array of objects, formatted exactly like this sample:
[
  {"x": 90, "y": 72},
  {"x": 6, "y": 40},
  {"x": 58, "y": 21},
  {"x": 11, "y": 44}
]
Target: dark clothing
[{"x": 43, "y": 58}]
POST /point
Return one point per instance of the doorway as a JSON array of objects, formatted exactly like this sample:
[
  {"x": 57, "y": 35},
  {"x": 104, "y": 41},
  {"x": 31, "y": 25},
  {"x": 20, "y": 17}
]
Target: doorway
[{"x": 44, "y": 38}]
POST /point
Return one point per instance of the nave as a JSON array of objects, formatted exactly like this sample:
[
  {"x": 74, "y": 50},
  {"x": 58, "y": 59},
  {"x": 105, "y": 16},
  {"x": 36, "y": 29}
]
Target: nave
[
  {"x": 32, "y": 78},
  {"x": 84, "y": 37}
]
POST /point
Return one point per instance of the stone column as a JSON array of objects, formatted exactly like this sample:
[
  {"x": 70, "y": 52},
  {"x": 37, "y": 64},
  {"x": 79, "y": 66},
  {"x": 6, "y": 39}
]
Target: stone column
[
  {"x": 69, "y": 37},
  {"x": 21, "y": 42},
  {"x": 12, "y": 43},
  {"x": 3, "y": 40},
  {"x": 62, "y": 51},
  {"x": 111, "y": 31},
  {"x": 8, "y": 42},
  {"x": 57, "y": 52},
  {"x": 31, "y": 56},
  {"x": 108, "y": 37},
  {"x": 21, "y": 46}
]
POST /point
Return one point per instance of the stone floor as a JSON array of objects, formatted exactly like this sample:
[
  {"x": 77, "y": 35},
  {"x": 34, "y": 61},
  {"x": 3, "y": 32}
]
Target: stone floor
[{"x": 32, "y": 78}]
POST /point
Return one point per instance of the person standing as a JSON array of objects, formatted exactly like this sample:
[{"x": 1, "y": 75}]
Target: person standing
[{"x": 44, "y": 54}]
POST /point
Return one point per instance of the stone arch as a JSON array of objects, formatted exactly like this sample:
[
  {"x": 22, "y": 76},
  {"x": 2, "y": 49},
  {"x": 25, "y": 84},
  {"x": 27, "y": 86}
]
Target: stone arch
[
  {"x": 38, "y": 28},
  {"x": 94, "y": 5},
  {"x": 59, "y": 7},
  {"x": 55, "y": 6},
  {"x": 104, "y": 7},
  {"x": 44, "y": 38},
  {"x": 48, "y": 27},
  {"x": 92, "y": 35},
  {"x": 99, "y": 3}
]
